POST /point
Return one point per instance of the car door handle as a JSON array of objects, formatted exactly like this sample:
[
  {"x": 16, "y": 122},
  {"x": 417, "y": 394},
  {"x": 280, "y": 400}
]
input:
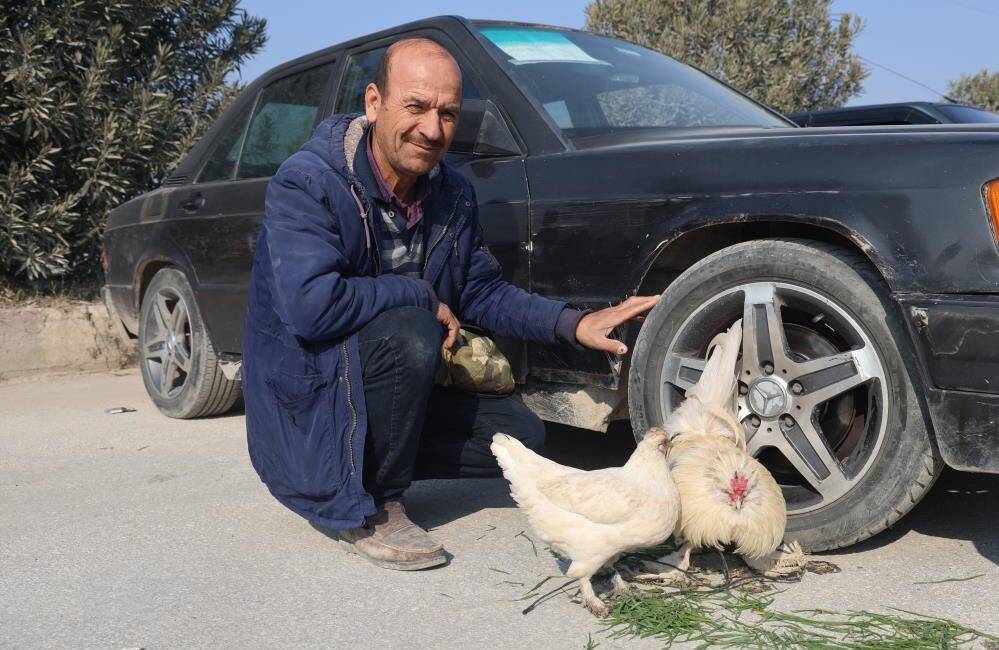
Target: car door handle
[{"x": 193, "y": 203}]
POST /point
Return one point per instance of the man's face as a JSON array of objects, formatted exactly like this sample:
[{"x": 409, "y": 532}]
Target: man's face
[{"x": 418, "y": 114}]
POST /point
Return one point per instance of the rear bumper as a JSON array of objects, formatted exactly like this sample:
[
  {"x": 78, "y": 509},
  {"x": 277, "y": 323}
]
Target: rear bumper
[{"x": 956, "y": 340}]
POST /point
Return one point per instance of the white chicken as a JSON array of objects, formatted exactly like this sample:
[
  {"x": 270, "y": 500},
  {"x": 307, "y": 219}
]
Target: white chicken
[
  {"x": 592, "y": 517},
  {"x": 726, "y": 495}
]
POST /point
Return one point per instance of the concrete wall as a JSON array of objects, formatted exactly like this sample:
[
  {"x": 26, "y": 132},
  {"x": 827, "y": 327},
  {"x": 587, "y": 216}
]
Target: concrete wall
[{"x": 73, "y": 337}]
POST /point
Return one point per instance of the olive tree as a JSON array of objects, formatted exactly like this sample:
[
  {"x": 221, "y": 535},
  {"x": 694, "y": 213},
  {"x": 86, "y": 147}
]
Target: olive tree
[
  {"x": 981, "y": 90},
  {"x": 98, "y": 101},
  {"x": 788, "y": 54}
]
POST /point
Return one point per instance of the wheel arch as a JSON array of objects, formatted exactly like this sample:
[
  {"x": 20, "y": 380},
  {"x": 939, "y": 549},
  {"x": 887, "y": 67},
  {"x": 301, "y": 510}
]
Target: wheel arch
[
  {"x": 675, "y": 255},
  {"x": 147, "y": 269}
]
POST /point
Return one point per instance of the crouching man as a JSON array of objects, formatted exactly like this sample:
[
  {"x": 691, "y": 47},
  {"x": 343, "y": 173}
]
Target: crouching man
[{"x": 370, "y": 256}]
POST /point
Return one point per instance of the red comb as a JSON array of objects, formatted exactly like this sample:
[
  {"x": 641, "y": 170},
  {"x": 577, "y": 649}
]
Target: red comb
[{"x": 738, "y": 487}]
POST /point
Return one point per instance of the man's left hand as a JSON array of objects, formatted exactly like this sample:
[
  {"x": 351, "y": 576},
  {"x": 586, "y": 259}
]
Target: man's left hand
[{"x": 593, "y": 328}]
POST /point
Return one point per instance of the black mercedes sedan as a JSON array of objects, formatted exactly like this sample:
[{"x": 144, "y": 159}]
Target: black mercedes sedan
[{"x": 863, "y": 261}]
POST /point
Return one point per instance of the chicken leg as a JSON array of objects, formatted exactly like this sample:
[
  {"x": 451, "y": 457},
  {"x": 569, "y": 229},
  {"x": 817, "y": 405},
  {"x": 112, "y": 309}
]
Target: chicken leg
[
  {"x": 679, "y": 560},
  {"x": 590, "y": 599},
  {"x": 620, "y": 586},
  {"x": 585, "y": 571}
]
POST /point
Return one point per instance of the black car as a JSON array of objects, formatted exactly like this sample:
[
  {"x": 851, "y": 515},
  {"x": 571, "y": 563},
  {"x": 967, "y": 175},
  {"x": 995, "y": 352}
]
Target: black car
[
  {"x": 864, "y": 262},
  {"x": 898, "y": 113}
]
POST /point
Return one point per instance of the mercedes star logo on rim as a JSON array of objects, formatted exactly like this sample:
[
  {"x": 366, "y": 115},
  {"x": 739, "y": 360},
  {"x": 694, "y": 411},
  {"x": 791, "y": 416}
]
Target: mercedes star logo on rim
[{"x": 767, "y": 397}]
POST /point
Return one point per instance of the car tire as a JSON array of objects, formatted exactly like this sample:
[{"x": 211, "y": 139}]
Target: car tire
[
  {"x": 179, "y": 366},
  {"x": 830, "y": 312}
]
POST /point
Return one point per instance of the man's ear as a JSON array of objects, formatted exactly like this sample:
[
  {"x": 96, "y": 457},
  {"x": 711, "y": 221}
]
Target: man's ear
[{"x": 372, "y": 102}]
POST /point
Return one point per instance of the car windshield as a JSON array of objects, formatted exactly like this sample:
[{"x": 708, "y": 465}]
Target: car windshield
[
  {"x": 592, "y": 85},
  {"x": 968, "y": 115}
]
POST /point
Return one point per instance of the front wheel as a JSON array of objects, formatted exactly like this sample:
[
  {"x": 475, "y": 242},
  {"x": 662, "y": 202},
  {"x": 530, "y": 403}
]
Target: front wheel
[
  {"x": 179, "y": 367},
  {"x": 826, "y": 400}
]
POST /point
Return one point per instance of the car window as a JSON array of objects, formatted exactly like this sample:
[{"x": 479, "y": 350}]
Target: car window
[
  {"x": 222, "y": 164},
  {"x": 360, "y": 71},
  {"x": 282, "y": 121}
]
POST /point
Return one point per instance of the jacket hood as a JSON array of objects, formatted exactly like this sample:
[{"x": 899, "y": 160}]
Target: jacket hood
[{"x": 336, "y": 140}]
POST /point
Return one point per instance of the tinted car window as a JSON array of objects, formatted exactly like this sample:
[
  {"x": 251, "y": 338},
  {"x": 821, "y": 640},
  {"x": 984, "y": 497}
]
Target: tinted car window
[
  {"x": 361, "y": 69},
  {"x": 222, "y": 164},
  {"x": 283, "y": 120}
]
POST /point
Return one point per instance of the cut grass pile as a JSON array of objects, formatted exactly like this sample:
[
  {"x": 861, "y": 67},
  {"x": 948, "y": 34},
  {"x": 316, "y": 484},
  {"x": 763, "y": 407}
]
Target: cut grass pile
[{"x": 737, "y": 618}]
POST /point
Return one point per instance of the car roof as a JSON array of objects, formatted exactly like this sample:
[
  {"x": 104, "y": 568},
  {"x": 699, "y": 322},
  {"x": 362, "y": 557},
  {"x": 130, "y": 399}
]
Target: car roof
[{"x": 441, "y": 22}]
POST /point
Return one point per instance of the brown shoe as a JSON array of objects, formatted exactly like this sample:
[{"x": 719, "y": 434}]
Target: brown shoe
[{"x": 390, "y": 540}]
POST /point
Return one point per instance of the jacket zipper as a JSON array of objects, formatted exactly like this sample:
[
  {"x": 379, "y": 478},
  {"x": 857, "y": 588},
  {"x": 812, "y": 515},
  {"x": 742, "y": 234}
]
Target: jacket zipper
[
  {"x": 454, "y": 209},
  {"x": 369, "y": 236},
  {"x": 350, "y": 405}
]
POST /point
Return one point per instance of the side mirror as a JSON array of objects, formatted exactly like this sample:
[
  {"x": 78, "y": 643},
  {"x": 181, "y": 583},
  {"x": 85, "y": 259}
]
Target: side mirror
[{"x": 482, "y": 131}]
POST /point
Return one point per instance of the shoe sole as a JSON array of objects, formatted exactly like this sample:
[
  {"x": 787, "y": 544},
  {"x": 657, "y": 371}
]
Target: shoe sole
[{"x": 396, "y": 566}]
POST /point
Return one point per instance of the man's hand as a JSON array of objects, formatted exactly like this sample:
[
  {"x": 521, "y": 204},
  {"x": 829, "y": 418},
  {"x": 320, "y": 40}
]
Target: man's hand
[
  {"x": 450, "y": 323},
  {"x": 593, "y": 328}
]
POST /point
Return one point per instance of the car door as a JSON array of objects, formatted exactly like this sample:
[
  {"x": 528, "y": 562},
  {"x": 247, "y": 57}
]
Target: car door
[
  {"x": 216, "y": 219},
  {"x": 499, "y": 180}
]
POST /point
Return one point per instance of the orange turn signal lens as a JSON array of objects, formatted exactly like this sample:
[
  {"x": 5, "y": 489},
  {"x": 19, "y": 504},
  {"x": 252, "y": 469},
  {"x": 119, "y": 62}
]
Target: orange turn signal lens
[{"x": 992, "y": 202}]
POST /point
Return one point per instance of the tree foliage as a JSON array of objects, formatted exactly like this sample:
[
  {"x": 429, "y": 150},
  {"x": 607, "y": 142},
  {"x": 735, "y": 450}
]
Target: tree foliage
[
  {"x": 99, "y": 99},
  {"x": 980, "y": 90},
  {"x": 787, "y": 54}
]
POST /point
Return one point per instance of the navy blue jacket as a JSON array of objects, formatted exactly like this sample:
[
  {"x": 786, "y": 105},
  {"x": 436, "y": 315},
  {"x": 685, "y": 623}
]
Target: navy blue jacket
[{"x": 315, "y": 283}]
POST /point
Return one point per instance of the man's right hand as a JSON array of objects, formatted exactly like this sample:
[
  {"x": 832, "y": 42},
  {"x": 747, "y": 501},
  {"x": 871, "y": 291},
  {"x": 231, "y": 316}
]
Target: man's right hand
[{"x": 446, "y": 318}]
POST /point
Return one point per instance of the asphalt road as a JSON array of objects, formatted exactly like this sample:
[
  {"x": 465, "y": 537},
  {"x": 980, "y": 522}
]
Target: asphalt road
[{"x": 134, "y": 530}]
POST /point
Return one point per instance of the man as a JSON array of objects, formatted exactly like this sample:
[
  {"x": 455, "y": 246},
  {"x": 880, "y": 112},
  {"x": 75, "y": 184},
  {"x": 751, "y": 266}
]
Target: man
[{"x": 370, "y": 253}]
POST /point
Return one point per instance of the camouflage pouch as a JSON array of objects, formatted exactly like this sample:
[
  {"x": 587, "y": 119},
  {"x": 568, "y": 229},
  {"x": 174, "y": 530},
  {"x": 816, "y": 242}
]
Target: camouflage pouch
[{"x": 476, "y": 365}]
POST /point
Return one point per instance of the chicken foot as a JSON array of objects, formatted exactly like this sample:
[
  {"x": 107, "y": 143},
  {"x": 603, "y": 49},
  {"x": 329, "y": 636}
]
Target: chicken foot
[
  {"x": 787, "y": 560},
  {"x": 619, "y": 584},
  {"x": 590, "y": 599},
  {"x": 679, "y": 560}
]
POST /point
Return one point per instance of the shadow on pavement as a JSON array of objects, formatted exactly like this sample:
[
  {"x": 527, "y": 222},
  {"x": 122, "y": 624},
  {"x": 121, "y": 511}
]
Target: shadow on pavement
[
  {"x": 435, "y": 503},
  {"x": 960, "y": 506}
]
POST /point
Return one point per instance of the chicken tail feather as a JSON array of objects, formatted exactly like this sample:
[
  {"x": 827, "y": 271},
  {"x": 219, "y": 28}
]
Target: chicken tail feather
[
  {"x": 716, "y": 387},
  {"x": 714, "y": 393}
]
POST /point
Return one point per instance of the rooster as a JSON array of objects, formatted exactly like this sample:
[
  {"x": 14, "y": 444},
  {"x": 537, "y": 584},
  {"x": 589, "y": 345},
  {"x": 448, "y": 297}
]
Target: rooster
[
  {"x": 726, "y": 495},
  {"x": 592, "y": 517}
]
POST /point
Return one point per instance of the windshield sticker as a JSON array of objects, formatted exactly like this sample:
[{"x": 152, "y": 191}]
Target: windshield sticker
[{"x": 535, "y": 46}]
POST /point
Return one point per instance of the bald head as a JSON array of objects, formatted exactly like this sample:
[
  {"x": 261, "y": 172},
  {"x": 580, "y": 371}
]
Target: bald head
[{"x": 418, "y": 48}]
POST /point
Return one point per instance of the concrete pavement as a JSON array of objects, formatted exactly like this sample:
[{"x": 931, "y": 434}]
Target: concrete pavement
[{"x": 134, "y": 530}]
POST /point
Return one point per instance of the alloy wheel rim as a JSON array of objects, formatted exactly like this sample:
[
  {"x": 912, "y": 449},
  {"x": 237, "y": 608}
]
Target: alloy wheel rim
[
  {"x": 813, "y": 389},
  {"x": 167, "y": 352}
]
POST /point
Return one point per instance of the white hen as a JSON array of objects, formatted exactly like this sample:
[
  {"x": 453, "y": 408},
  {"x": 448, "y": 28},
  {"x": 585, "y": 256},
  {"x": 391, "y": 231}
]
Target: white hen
[
  {"x": 726, "y": 495},
  {"x": 592, "y": 517}
]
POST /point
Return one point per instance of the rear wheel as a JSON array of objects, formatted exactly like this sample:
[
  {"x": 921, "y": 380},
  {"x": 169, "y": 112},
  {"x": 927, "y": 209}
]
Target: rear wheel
[
  {"x": 179, "y": 366},
  {"x": 826, "y": 399}
]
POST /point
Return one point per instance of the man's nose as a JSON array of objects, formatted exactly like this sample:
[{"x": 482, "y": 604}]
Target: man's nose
[{"x": 430, "y": 127}]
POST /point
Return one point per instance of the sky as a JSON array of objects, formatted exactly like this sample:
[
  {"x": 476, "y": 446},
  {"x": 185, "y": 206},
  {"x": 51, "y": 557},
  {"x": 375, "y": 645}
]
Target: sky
[{"x": 929, "y": 41}]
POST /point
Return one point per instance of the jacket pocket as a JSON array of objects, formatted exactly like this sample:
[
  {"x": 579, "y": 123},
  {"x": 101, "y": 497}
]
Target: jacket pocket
[{"x": 297, "y": 396}]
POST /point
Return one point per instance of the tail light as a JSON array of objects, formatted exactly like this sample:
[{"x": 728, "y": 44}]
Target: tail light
[{"x": 992, "y": 202}]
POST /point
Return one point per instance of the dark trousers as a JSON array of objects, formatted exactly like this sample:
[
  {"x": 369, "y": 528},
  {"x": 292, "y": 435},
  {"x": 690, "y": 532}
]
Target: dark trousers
[{"x": 417, "y": 430}]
